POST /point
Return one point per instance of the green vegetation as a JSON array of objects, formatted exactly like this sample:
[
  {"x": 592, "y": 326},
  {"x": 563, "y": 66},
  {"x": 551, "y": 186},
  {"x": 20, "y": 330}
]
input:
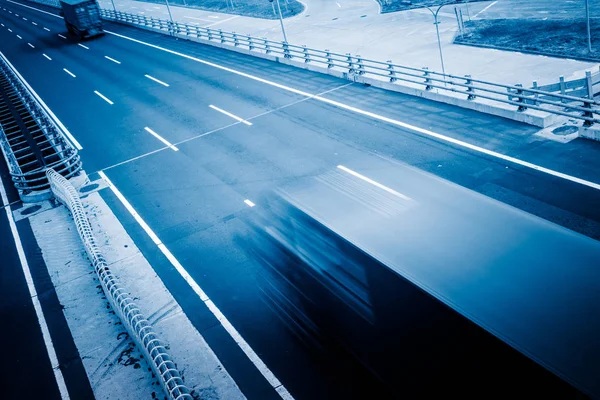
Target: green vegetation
[
  {"x": 249, "y": 8},
  {"x": 401, "y": 5},
  {"x": 559, "y": 37}
]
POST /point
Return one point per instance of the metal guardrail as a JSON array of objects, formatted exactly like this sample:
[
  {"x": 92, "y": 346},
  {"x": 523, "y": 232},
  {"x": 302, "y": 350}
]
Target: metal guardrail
[
  {"x": 138, "y": 327},
  {"x": 581, "y": 108},
  {"x": 29, "y": 139},
  {"x": 517, "y": 96}
]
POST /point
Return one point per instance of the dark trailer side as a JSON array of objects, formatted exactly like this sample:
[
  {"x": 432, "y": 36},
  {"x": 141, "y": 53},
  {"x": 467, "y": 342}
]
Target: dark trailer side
[
  {"x": 440, "y": 292},
  {"x": 82, "y": 17}
]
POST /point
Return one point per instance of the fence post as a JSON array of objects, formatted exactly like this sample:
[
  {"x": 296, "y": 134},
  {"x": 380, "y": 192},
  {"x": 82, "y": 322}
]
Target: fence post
[
  {"x": 589, "y": 84},
  {"x": 349, "y": 60},
  {"x": 520, "y": 98},
  {"x": 286, "y": 50},
  {"x": 427, "y": 80},
  {"x": 392, "y": 73},
  {"x": 563, "y": 87},
  {"x": 329, "y": 60},
  {"x": 306, "y": 54},
  {"x": 470, "y": 89},
  {"x": 588, "y": 114},
  {"x": 536, "y": 95},
  {"x": 361, "y": 66}
]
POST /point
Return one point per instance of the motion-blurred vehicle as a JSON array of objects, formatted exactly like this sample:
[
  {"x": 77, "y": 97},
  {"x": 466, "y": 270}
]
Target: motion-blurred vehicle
[
  {"x": 82, "y": 17},
  {"x": 437, "y": 290}
]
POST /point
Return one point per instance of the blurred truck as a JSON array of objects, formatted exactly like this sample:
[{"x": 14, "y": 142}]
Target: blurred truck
[{"x": 82, "y": 17}]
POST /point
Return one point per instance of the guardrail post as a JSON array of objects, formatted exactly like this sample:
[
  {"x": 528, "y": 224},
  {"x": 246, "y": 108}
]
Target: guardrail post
[
  {"x": 221, "y": 36},
  {"x": 361, "y": 66},
  {"x": 470, "y": 88},
  {"x": 563, "y": 87},
  {"x": 427, "y": 76},
  {"x": 535, "y": 95},
  {"x": 589, "y": 84},
  {"x": 392, "y": 73},
  {"x": 267, "y": 47},
  {"x": 235, "y": 40},
  {"x": 520, "y": 98},
  {"x": 350, "y": 65},
  {"x": 286, "y": 50},
  {"x": 198, "y": 34},
  {"x": 306, "y": 54},
  {"x": 250, "y": 43},
  {"x": 588, "y": 114},
  {"x": 329, "y": 59}
]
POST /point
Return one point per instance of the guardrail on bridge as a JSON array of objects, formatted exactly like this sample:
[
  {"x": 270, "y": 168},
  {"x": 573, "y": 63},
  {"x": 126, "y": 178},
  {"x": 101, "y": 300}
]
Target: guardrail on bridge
[{"x": 138, "y": 327}]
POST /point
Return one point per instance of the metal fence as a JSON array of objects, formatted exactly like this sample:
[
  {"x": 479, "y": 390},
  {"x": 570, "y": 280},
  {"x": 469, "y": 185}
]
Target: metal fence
[
  {"x": 138, "y": 327},
  {"x": 36, "y": 143},
  {"x": 357, "y": 68}
]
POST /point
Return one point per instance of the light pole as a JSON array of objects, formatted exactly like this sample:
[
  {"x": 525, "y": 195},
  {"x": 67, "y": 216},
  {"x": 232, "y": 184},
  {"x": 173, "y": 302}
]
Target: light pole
[
  {"x": 169, "y": 10},
  {"x": 436, "y": 22},
  {"x": 113, "y": 3},
  {"x": 281, "y": 21},
  {"x": 589, "y": 31}
]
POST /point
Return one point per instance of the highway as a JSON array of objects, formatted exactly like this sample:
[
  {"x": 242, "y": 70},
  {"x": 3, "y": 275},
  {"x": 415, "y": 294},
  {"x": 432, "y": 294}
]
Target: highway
[{"x": 192, "y": 135}]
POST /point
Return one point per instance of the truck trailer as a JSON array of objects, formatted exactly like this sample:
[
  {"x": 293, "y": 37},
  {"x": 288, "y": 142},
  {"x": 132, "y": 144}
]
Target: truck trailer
[{"x": 82, "y": 17}]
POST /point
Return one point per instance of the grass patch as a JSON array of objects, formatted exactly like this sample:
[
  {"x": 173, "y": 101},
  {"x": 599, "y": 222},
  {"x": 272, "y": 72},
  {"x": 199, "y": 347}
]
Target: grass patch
[
  {"x": 559, "y": 37},
  {"x": 248, "y": 8},
  {"x": 388, "y": 6}
]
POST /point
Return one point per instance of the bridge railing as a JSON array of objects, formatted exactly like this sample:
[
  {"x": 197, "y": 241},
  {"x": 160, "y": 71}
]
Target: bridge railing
[
  {"x": 517, "y": 97},
  {"x": 138, "y": 327},
  {"x": 56, "y": 151}
]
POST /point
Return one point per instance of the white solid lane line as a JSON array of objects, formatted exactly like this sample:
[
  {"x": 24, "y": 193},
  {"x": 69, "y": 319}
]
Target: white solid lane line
[
  {"x": 249, "y": 203},
  {"x": 60, "y": 381},
  {"x": 64, "y": 37},
  {"x": 112, "y": 59},
  {"x": 85, "y": 47},
  {"x": 391, "y": 121},
  {"x": 156, "y": 135},
  {"x": 260, "y": 365},
  {"x": 69, "y": 72},
  {"x": 374, "y": 183},
  {"x": 30, "y": 45},
  {"x": 103, "y": 97},
  {"x": 46, "y": 29},
  {"x": 243, "y": 121},
  {"x": 156, "y": 80},
  {"x": 54, "y": 118},
  {"x": 47, "y": 57},
  {"x": 382, "y": 118}
]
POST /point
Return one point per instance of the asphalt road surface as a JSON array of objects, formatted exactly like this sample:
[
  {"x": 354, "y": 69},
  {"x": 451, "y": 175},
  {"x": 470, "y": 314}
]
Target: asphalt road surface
[{"x": 189, "y": 132}]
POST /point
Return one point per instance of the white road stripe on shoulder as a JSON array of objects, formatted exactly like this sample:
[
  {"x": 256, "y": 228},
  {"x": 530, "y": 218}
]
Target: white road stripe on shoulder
[
  {"x": 260, "y": 365},
  {"x": 47, "y": 57},
  {"x": 58, "y": 376},
  {"x": 30, "y": 45},
  {"x": 81, "y": 45},
  {"x": 69, "y": 72},
  {"x": 62, "y": 36}
]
